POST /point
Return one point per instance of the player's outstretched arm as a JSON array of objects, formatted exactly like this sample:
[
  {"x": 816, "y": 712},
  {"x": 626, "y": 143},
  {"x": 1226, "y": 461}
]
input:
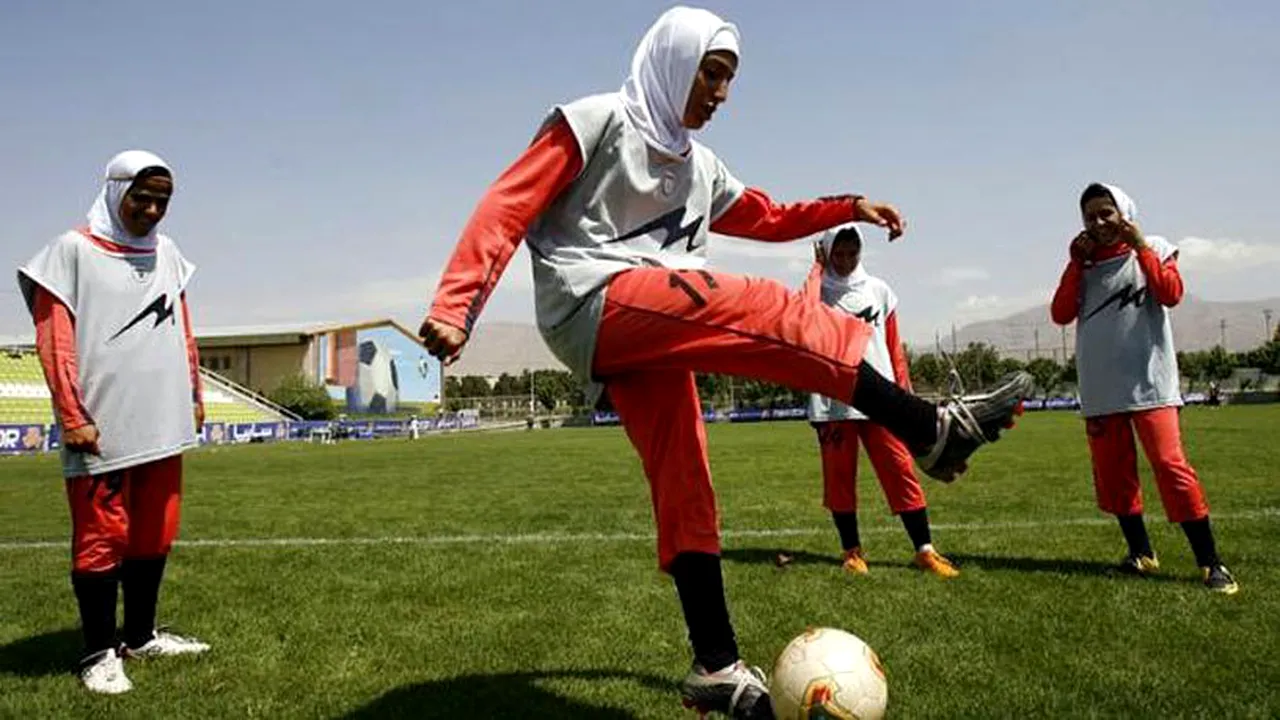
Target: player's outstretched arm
[
  {"x": 495, "y": 230},
  {"x": 756, "y": 216}
]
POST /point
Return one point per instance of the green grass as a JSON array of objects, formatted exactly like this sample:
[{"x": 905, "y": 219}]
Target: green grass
[{"x": 578, "y": 628}]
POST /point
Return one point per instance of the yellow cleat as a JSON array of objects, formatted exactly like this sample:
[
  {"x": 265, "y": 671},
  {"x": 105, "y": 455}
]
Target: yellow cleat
[
  {"x": 1141, "y": 565},
  {"x": 855, "y": 562},
  {"x": 931, "y": 561},
  {"x": 1218, "y": 579}
]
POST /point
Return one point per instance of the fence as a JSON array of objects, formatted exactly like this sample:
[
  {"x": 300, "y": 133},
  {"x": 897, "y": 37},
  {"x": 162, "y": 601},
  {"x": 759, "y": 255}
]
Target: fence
[{"x": 29, "y": 438}]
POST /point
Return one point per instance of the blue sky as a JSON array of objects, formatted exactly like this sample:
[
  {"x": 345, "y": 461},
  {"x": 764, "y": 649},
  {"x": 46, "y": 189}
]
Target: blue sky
[{"x": 328, "y": 153}]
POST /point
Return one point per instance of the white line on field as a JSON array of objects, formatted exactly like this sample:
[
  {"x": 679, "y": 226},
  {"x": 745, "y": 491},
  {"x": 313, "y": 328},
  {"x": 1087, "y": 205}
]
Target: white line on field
[{"x": 563, "y": 538}]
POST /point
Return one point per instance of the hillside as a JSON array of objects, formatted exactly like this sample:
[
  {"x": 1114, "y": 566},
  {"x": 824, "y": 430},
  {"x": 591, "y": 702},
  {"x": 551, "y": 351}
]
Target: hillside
[{"x": 1196, "y": 326}]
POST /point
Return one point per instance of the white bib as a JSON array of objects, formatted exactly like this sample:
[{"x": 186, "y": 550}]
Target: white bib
[{"x": 131, "y": 346}]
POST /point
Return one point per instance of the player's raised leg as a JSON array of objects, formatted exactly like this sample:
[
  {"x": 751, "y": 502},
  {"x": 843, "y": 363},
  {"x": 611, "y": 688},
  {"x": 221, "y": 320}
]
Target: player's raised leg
[
  {"x": 662, "y": 416},
  {"x": 656, "y": 318}
]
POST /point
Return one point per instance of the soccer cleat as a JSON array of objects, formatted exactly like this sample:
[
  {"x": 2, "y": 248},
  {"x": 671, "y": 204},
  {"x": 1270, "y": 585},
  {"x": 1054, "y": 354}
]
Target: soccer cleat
[
  {"x": 737, "y": 691},
  {"x": 971, "y": 421},
  {"x": 164, "y": 644},
  {"x": 103, "y": 672},
  {"x": 1218, "y": 579},
  {"x": 1139, "y": 565},
  {"x": 855, "y": 562},
  {"x": 932, "y": 561}
]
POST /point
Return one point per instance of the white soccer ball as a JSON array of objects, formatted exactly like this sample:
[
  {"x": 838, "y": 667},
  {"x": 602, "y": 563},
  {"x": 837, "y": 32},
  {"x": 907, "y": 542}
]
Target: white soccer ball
[
  {"x": 828, "y": 673},
  {"x": 377, "y": 383}
]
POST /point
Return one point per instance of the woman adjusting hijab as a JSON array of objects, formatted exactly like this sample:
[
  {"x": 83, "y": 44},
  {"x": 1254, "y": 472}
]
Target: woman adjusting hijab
[
  {"x": 1117, "y": 288},
  {"x": 616, "y": 201}
]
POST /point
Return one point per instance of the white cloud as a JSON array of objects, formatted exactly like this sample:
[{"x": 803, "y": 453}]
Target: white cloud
[
  {"x": 1222, "y": 255},
  {"x": 405, "y": 298},
  {"x": 735, "y": 247},
  {"x": 976, "y": 308},
  {"x": 981, "y": 307},
  {"x": 960, "y": 275}
]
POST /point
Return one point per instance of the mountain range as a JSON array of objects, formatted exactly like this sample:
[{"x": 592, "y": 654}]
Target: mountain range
[{"x": 506, "y": 347}]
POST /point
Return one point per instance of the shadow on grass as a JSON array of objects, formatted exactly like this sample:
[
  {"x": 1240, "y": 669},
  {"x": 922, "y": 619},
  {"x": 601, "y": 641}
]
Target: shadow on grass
[
  {"x": 502, "y": 695},
  {"x": 52, "y": 653},
  {"x": 1056, "y": 566},
  {"x": 770, "y": 556}
]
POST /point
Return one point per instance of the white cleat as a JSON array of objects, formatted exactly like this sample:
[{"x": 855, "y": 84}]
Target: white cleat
[
  {"x": 103, "y": 672},
  {"x": 164, "y": 644},
  {"x": 737, "y": 691}
]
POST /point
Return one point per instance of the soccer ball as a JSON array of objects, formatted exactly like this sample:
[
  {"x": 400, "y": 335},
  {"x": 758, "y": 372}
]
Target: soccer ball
[
  {"x": 828, "y": 673},
  {"x": 377, "y": 388}
]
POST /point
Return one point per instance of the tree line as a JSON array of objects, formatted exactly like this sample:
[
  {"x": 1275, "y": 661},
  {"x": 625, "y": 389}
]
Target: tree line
[{"x": 978, "y": 365}]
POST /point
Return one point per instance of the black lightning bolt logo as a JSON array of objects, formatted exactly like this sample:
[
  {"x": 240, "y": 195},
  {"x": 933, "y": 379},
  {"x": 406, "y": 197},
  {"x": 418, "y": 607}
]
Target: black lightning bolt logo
[
  {"x": 675, "y": 232},
  {"x": 868, "y": 315},
  {"x": 1124, "y": 296},
  {"x": 161, "y": 307}
]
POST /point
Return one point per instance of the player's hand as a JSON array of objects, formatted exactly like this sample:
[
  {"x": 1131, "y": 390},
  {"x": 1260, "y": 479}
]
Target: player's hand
[
  {"x": 1082, "y": 247},
  {"x": 83, "y": 439},
  {"x": 1130, "y": 234},
  {"x": 819, "y": 254},
  {"x": 881, "y": 214},
  {"x": 443, "y": 341},
  {"x": 199, "y": 417}
]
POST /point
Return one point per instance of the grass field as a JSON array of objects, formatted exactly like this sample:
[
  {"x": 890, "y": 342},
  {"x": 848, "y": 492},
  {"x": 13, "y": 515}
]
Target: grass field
[{"x": 513, "y": 575}]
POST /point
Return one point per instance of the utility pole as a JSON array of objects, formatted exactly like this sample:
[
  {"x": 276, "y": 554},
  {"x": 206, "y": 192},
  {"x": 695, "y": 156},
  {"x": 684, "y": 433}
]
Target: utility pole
[
  {"x": 1222, "y": 333},
  {"x": 1266, "y": 316},
  {"x": 532, "y": 401}
]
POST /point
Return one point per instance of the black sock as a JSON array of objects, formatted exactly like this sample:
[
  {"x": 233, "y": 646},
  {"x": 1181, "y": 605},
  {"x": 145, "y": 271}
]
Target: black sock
[
  {"x": 1201, "y": 537},
  {"x": 913, "y": 420},
  {"x": 917, "y": 524},
  {"x": 96, "y": 595},
  {"x": 140, "y": 578},
  {"x": 706, "y": 612},
  {"x": 1135, "y": 533},
  {"x": 847, "y": 526}
]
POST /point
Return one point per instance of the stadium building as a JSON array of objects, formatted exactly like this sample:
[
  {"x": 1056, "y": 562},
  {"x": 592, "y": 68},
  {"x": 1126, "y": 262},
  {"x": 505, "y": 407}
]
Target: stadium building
[{"x": 367, "y": 367}]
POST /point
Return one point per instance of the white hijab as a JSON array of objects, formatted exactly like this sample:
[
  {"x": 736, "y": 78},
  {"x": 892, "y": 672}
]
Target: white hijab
[
  {"x": 104, "y": 216},
  {"x": 1125, "y": 204},
  {"x": 662, "y": 73},
  {"x": 834, "y": 284}
]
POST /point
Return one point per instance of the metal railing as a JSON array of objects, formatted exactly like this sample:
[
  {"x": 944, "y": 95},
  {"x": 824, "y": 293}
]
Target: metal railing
[{"x": 244, "y": 394}]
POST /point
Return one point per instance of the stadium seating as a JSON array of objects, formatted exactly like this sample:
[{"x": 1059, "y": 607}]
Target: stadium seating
[{"x": 24, "y": 397}]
